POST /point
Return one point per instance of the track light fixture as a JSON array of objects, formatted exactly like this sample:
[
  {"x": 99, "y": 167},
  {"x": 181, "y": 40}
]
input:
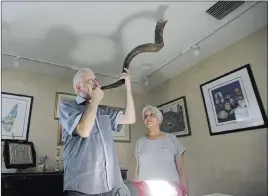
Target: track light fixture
[
  {"x": 16, "y": 62},
  {"x": 195, "y": 50},
  {"x": 145, "y": 81}
]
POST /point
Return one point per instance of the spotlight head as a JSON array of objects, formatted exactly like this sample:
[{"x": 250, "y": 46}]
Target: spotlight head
[
  {"x": 196, "y": 50},
  {"x": 145, "y": 81},
  {"x": 16, "y": 62}
]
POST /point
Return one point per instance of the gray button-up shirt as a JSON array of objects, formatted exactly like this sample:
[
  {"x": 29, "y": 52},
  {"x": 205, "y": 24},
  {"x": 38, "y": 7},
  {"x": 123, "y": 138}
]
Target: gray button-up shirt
[{"x": 90, "y": 164}]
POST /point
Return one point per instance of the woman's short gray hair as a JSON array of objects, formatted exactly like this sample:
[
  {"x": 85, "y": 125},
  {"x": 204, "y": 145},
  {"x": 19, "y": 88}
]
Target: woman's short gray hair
[{"x": 154, "y": 110}]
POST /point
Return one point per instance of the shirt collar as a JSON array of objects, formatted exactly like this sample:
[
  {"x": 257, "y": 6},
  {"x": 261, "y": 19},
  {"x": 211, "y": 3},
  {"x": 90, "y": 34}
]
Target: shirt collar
[{"x": 79, "y": 99}]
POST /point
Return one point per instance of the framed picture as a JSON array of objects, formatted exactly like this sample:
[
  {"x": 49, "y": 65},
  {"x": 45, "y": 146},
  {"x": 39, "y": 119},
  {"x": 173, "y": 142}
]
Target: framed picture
[
  {"x": 232, "y": 102},
  {"x": 59, "y": 97},
  {"x": 60, "y": 136},
  {"x": 19, "y": 154},
  {"x": 124, "y": 135},
  {"x": 175, "y": 117},
  {"x": 16, "y": 116}
]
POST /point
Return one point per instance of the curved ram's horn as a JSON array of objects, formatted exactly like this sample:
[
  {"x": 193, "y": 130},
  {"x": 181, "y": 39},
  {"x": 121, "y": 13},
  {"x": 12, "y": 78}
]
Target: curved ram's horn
[{"x": 150, "y": 47}]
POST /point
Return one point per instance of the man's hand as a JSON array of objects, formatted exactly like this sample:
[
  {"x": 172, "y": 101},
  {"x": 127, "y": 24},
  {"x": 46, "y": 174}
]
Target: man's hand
[
  {"x": 126, "y": 77},
  {"x": 87, "y": 121},
  {"x": 129, "y": 117},
  {"x": 97, "y": 95}
]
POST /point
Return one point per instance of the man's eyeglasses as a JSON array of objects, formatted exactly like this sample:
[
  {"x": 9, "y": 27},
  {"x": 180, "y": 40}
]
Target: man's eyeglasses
[{"x": 93, "y": 81}]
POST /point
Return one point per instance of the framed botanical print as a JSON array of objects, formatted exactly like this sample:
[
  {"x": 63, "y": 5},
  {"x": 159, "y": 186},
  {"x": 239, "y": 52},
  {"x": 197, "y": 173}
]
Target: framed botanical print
[
  {"x": 175, "y": 117},
  {"x": 59, "y": 97},
  {"x": 16, "y": 116},
  {"x": 232, "y": 102}
]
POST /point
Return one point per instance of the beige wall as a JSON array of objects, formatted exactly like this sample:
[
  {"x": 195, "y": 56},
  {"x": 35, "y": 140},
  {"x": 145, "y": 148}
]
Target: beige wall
[
  {"x": 43, "y": 127},
  {"x": 232, "y": 163}
]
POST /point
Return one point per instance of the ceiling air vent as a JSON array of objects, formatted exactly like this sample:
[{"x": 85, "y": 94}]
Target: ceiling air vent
[{"x": 222, "y": 8}]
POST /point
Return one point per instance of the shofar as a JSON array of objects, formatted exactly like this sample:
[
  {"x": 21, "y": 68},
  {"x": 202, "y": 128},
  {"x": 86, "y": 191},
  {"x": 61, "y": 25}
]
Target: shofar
[{"x": 150, "y": 47}]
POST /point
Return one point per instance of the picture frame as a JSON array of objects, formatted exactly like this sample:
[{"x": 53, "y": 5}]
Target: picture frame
[
  {"x": 124, "y": 135},
  {"x": 16, "y": 116},
  {"x": 175, "y": 117},
  {"x": 232, "y": 102},
  {"x": 59, "y": 97},
  {"x": 60, "y": 137},
  {"x": 19, "y": 154}
]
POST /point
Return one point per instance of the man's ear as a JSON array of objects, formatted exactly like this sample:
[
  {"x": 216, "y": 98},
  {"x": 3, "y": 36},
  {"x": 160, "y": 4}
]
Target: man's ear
[{"x": 78, "y": 88}]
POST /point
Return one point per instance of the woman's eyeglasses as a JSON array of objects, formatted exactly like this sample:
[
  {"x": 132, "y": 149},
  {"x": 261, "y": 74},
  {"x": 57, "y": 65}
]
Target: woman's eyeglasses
[{"x": 149, "y": 115}]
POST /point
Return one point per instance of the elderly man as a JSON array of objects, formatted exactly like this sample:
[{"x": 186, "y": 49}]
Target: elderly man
[{"x": 90, "y": 162}]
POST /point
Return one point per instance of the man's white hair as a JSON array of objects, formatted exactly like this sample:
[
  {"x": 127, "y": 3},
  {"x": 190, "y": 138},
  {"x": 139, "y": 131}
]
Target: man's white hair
[
  {"x": 154, "y": 110},
  {"x": 78, "y": 78}
]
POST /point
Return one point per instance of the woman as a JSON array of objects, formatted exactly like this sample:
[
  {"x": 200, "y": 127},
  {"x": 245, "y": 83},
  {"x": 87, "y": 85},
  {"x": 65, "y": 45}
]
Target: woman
[{"x": 159, "y": 155}]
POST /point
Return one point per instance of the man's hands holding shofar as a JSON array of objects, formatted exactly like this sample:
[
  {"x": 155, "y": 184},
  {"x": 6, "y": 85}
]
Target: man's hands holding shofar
[
  {"x": 97, "y": 93},
  {"x": 126, "y": 77}
]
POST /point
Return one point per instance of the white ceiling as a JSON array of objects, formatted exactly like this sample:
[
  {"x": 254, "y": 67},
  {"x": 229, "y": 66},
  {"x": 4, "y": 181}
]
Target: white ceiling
[{"x": 99, "y": 35}]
